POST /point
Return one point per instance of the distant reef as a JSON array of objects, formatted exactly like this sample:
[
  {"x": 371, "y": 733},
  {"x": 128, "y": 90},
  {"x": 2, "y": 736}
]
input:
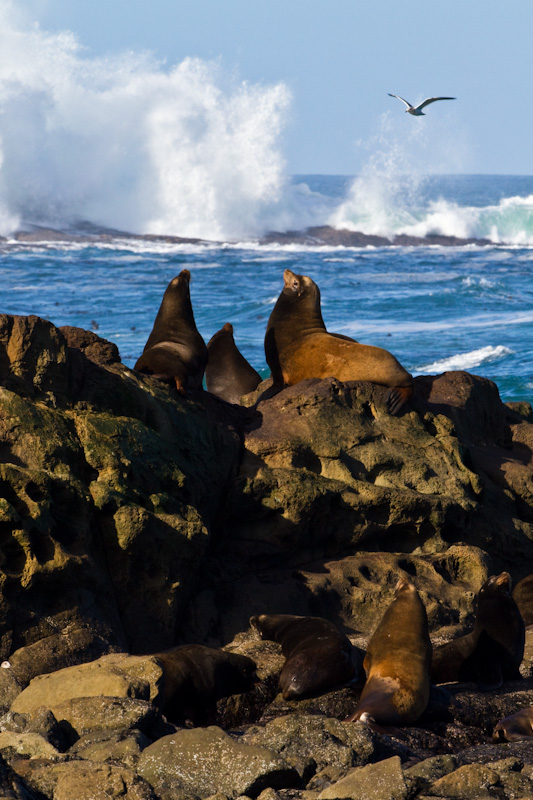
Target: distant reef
[{"x": 319, "y": 236}]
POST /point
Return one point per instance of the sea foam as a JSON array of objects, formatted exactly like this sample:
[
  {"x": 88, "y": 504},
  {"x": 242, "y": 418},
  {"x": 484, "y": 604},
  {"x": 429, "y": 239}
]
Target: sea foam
[{"x": 466, "y": 361}]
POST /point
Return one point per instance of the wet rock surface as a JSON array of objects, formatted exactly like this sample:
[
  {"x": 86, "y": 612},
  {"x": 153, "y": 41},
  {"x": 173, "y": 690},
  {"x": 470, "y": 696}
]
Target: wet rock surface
[{"x": 132, "y": 520}]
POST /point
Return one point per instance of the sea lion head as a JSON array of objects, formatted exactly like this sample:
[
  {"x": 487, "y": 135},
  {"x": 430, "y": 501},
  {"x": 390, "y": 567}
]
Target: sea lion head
[
  {"x": 297, "y": 285},
  {"x": 243, "y": 674},
  {"x": 497, "y": 585},
  {"x": 404, "y": 585},
  {"x": 183, "y": 279},
  {"x": 179, "y": 287}
]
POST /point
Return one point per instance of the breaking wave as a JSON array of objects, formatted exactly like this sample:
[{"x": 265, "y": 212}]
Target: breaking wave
[{"x": 466, "y": 361}]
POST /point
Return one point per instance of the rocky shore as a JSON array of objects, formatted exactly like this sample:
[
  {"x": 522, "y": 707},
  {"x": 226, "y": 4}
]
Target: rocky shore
[
  {"x": 133, "y": 519},
  {"x": 318, "y": 236}
]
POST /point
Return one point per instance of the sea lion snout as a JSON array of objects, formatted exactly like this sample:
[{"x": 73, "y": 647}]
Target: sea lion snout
[
  {"x": 404, "y": 584},
  {"x": 502, "y": 581},
  {"x": 291, "y": 280}
]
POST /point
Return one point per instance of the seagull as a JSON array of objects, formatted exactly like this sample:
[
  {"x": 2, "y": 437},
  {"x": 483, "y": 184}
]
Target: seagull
[{"x": 416, "y": 111}]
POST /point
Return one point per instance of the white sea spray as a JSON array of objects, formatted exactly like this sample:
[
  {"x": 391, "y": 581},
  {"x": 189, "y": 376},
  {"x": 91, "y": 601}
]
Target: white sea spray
[{"x": 130, "y": 143}]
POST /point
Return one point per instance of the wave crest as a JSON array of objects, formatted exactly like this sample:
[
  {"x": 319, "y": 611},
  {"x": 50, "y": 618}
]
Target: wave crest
[
  {"x": 466, "y": 361},
  {"x": 123, "y": 142}
]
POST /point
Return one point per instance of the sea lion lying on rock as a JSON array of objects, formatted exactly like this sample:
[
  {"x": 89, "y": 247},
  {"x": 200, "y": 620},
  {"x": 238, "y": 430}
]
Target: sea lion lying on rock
[
  {"x": 492, "y": 652},
  {"x": 298, "y": 346},
  {"x": 397, "y": 663},
  {"x": 318, "y": 657},
  {"x": 174, "y": 348},
  {"x": 515, "y": 727},
  {"x": 196, "y": 676}
]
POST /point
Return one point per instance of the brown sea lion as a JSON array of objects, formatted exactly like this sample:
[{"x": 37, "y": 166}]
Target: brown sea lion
[
  {"x": 397, "y": 663},
  {"x": 523, "y": 597},
  {"x": 318, "y": 656},
  {"x": 517, "y": 726},
  {"x": 492, "y": 652},
  {"x": 298, "y": 346},
  {"x": 195, "y": 677},
  {"x": 174, "y": 348},
  {"x": 228, "y": 374}
]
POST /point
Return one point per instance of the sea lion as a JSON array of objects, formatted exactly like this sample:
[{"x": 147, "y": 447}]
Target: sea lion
[
  {"x": 196, "y": 676},
  {"x": 517, "y": 726},
  {"x": 397, "y": 663},
  {"x": 492, "y": 652},
  {"x": 228, "y": 374},
  {"x": 318, "y": 656},
  {"x": 298, "y": 346},
  {"x": 174, "y": 348},
  {"x": 523, "y": 597}
]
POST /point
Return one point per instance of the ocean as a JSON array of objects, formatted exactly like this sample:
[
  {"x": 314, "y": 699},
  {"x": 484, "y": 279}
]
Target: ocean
[
  {"x": 125, "y": 143},
  {"x": 436, "y": 308}
]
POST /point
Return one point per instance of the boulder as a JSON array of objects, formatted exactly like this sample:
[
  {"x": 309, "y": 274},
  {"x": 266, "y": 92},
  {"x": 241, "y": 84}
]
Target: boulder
[
  {"x": 83, "y": 780},
  {"x": 204, "y": 761},
  {"x": 117, "y": 675},
  {"x": 381, "y": 781}
]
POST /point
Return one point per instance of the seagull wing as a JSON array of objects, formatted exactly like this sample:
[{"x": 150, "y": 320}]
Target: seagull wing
[
  {"x": 405, "y": 101},
  {"x": 429, "y": 100}
]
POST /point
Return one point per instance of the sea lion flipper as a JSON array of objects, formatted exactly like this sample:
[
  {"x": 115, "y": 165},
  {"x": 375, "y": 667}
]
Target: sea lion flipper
[{"x": 396, "y": 397}]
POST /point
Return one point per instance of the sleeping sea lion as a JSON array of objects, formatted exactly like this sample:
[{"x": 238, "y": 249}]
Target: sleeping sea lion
[
  {"x": 174, "y": 348},
  {"x": 517, "y": 726},
  {"x": 492, "y": 652},
  {"x": 318, "y": 656},
  {"x": 195, "y": 677},
  {"x": 397, "y": 663},
  {"x": 228, "y": 374},
  {"x": 298, "y": 346}
]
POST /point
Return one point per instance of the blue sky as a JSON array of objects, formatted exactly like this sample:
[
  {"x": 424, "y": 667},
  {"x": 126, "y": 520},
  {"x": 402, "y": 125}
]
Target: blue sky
[{"x": 339, "y": 59}]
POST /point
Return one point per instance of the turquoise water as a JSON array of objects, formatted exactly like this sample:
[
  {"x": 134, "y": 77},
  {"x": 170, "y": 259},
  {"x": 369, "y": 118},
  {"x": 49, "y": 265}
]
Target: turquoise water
[{"x": 435, "y": 308}]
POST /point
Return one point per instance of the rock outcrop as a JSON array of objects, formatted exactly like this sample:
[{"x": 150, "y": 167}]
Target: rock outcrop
[{"x": 133, "y": 519}]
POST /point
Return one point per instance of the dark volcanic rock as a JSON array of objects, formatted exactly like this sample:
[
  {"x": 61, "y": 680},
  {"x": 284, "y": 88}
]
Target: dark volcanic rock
[
  {"x": 333, "y": 237},
  {"x": 110, "y": 491},
  {"x": 134, "y": 519},
  {"x": 328, "y": 478}
]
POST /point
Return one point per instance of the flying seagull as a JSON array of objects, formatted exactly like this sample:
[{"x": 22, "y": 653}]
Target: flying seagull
[{"x": 416, "y": 111}]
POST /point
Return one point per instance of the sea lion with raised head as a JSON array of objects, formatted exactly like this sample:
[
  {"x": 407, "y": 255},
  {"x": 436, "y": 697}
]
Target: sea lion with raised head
[
  {"x": 174, "y": 348},
  {"x": 318, "y": 656},
  {"x": 397, "y": 662},
  {"x": 516, "y": 726},
  {"x": 298, "y": 346},
  {"x": 492, "y": 652},
  {"x": 228, "y": 374},
  {"x": 196, "y": 676}
]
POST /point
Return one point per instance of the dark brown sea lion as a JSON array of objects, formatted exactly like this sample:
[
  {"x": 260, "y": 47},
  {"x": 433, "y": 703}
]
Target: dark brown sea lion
[
  {"x": 397, "y": 663},
  {"x": 318, "y": 656},
  {"x": 298, "y": 346},
  {"x": 523, "y": 597},
  {"x": 174, "y": 348},
  {"x": 195, "y": 677},
  {"x": 228, "y": 374},
  {"x": 517, "y": 726},
  {"x": 492, "y": 652}
]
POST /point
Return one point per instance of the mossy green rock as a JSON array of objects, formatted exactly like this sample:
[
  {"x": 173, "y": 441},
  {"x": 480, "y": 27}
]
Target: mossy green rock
[{"x": 109, "y": 490}]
